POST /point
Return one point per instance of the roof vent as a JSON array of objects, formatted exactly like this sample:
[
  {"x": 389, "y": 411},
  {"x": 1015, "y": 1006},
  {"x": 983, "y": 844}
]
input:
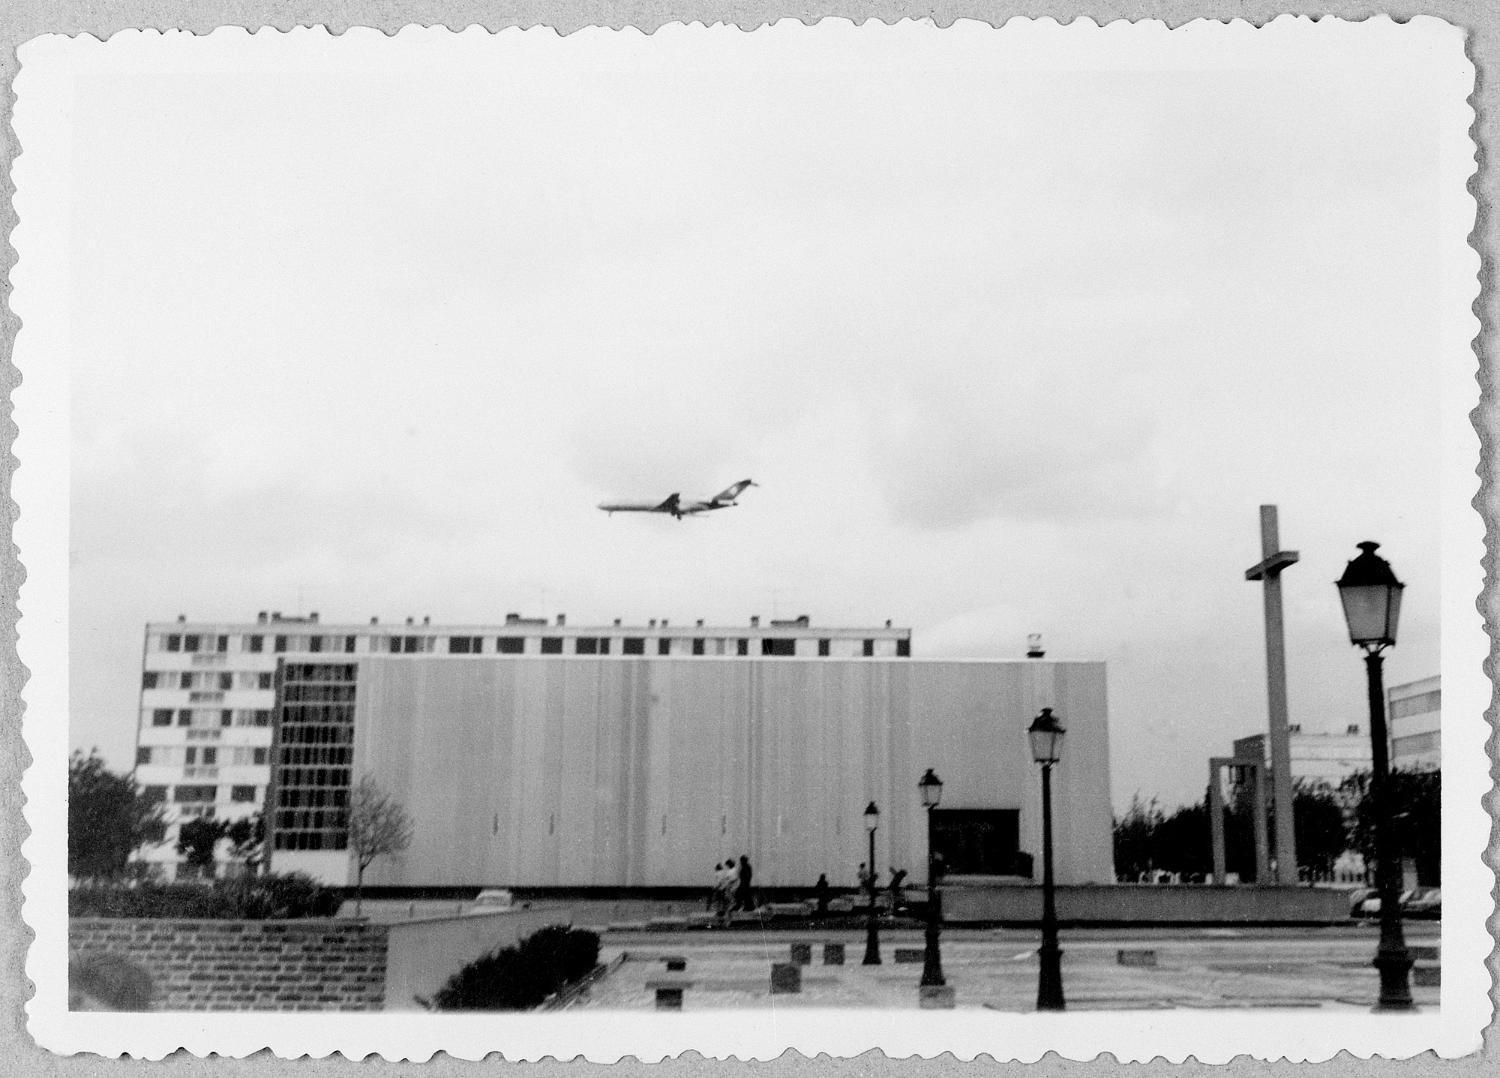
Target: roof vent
[
  {"x": 1352, "y": 728},
  {"x": 426, "y": 620},
  {"x": 887, "y": 623},
  {"x": 617, "y": 623},
  {"x": 663, "y": 623},
  {"x": 261, "y": 617},
  {"x": 652, "y": 625},
  {"x": 562, "y": 619},
  {"x": 313, "y": 617},
  {"x": 755, "y": 621},
  {"x": 374, "y": 621},
  {"x": 700, "y": 623},
  {"x": 181, "y": 618},
  {"x": 411, "y": 621},
  {"x": 1034, "y": 649}
]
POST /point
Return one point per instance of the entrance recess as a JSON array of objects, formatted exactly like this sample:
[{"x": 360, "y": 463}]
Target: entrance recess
[{"x": 979, "y": 842}]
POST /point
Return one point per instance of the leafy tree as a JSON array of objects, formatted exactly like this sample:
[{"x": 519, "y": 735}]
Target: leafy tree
[
  {"x": 108, "y": 819},
  {"x": 1318, "y": 823},
  {"x": 247, "y": 837},
  {"x": 1416, "y": 808},
  {"x": 378, "y": 825},
  {"x": 197, "y": 840},
  {"x": 1135, "y": 838}
]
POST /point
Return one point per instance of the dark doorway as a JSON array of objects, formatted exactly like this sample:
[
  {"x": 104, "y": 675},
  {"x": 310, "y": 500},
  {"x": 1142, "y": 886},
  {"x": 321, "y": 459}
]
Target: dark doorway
[{"x": 980, "y": 842}]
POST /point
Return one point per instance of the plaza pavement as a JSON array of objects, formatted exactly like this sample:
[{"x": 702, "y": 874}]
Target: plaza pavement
[{"x": 997, "y": 969}]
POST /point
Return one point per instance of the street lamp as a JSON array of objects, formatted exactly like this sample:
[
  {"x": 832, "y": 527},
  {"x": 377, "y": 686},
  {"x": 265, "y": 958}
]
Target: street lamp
[
  {"x": 872, "y": 928},
  {"x": 1371, "y": 595},
  {"x": 1046, "y": 735},
  {"x": 931, "y": 788}
]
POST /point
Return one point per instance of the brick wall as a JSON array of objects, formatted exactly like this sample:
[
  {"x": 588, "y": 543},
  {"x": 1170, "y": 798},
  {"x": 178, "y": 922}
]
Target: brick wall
[{"x": 245, "y": 965}]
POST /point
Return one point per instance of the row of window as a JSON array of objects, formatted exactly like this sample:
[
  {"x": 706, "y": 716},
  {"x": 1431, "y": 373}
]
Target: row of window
[
  {"x": 212, "y": 716},
  {"x": 475, "y": 645},
  {"x": 193, "y": 643},
  {"x": 1419, "y": 704},
  {"x": 1414, "y": 743},
  {"x": 204, "y": 755},
  {"x": 194, "y": 794},
  {"x": 223, "y": 682}
]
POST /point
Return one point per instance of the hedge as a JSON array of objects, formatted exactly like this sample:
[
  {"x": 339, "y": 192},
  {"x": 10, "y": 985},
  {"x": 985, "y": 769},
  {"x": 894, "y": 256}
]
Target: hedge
[
  {"x": 521, "y": 976},
  {"x": 248, "y": 898}
]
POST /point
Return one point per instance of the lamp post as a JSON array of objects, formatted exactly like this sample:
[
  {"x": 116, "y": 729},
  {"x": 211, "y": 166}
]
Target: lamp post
[
  {"x": 931, "y": 788},
  {"x": 872, "y": 927},
  {"x": 1371, "y": 596},
  {"x": 1046, "y": 735}
]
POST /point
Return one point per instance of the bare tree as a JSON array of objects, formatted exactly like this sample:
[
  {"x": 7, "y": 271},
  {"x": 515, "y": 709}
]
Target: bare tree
[{"x": 378, "y": 825}]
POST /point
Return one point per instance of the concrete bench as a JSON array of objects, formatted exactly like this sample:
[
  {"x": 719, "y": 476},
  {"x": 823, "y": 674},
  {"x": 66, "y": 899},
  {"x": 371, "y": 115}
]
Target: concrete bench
[
  {"x": 910, "y": 955},
  {"x": 786, "y": 977},
  {"x": 1135, "y": 957},
  {"x": 668, "y": 993}
]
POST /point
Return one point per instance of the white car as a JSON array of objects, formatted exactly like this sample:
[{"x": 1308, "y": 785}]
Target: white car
[{"x": 491, "y": 900}]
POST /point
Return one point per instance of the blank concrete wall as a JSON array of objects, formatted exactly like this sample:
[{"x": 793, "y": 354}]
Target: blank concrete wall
[{"x": 556, "y": 770}]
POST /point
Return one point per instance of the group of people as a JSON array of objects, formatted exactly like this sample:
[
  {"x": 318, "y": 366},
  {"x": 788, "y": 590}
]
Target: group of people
[{"x": 732, "y": 887}]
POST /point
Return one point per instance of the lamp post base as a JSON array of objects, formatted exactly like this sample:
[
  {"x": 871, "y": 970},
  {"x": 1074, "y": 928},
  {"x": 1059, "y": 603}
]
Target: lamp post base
[
  {"x": 932, "y": 960},
  {"x": 872, "y": 945},
  {"x": 1395, "y": 983},
  {"x": 1049, "y": 989}
]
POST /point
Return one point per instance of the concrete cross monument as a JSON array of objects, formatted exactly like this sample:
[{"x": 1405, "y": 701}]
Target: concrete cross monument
[{"x": 1268, "y": 571}]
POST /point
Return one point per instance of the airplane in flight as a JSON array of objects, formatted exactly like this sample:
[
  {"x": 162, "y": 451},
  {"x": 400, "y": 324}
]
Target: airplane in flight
[{"x": 678, "y": 508}]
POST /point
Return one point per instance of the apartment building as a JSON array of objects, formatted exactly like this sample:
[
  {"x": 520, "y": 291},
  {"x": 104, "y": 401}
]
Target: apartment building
[{"x": 1415, "y": 717}]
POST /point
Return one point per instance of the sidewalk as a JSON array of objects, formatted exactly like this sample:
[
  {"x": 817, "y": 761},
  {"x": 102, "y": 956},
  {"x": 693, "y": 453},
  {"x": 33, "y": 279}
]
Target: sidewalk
[{"x": 999, "y": 971}]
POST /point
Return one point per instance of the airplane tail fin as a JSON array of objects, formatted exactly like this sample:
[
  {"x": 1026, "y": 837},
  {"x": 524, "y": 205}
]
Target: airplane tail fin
[
  {"x": 729, "y": 494},
  {"x": 670, "y": 505}
]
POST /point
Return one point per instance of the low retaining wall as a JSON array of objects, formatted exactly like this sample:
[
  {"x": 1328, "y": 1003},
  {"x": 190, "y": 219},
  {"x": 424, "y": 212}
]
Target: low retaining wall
[
  {"x": 303, "y": 965},
  {"x": 972, "y": 899}
]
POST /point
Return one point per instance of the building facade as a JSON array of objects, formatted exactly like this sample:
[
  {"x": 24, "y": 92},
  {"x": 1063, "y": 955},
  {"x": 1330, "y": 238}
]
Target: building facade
[
  {"x": 209, "y": 699},
  {"x": 644, "y": 770},
  {"x": 1415, "y": 713},
  {"x": 1316, "y": 757}
]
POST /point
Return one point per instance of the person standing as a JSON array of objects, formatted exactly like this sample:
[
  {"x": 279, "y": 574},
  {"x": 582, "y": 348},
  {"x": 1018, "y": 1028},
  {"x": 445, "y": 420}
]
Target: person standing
[
  {"x": 724, "y": 889},
  {"x": 820, "y": 894},
  {"x": 744, "y": 899},
  {"x": 898, "y": 880}
]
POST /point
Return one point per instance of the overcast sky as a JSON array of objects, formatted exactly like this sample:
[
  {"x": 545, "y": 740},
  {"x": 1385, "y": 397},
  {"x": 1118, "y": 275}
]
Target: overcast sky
[{"x": 1014, "y": 341}]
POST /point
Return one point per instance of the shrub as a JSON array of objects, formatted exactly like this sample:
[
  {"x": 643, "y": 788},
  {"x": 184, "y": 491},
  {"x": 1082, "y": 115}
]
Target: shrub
[
  {"x": 255, "y": 898},
  {"x": 519, "y": 977}
]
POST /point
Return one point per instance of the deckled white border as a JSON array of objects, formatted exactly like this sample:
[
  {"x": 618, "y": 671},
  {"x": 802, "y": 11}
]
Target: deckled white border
[{"x": 43, "y": 289}]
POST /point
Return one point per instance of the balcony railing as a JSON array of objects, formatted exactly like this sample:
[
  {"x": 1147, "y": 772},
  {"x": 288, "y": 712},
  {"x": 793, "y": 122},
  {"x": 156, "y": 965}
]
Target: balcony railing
[
  {"x": 204, "y": 697},
  {"x": 200, "y": 771},
  {"x": 209, "y": 658},
  {"x": 204, "y": 735}
]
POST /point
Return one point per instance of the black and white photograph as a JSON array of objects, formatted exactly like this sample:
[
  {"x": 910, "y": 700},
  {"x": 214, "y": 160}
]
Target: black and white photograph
[{"x": 930, "y": 538}]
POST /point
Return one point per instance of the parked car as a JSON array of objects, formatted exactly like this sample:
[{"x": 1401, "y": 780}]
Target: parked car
[
  {"x": 1422, "y": 902},
  {"x": 1364, "y": 902},
  {"x": 491, "y": 900}
]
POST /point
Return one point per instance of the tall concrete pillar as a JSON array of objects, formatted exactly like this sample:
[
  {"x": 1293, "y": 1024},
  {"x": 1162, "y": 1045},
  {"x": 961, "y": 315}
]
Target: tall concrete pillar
[{"x": 1268, "y": 572}]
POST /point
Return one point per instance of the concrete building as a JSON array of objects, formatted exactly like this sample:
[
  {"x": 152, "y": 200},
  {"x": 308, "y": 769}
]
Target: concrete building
[
  {"x": 647, "y": 769},
  {"x": 1316, "y": 757},
  {"x": 208, "y": 694},
  {"x": 1414, "y": 716}
]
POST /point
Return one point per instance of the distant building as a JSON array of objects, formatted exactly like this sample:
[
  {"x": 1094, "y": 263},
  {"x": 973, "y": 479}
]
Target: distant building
[
  {"x": 205, "y": 729},
  {"x": 1414, "y": 716},
  {"x": 1316, "y": 757}
]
